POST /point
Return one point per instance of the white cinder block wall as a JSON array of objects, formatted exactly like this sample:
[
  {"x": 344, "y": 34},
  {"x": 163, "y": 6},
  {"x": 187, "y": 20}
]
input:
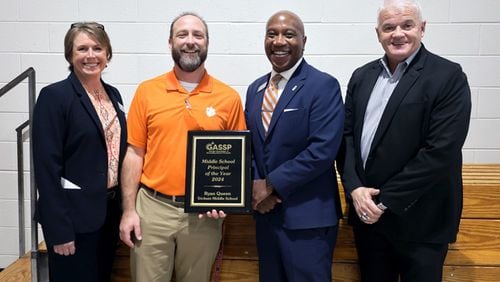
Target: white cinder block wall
[{"x": 340, "y": 34}]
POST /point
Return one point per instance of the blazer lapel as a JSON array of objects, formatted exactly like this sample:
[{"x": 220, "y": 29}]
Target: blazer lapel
[
  {"x": 257, "y": 106},
  {"x": 120, "y": 110},
  {"x": 87, "y": 104},
  {"x": 401, "y": 90},
  {"x": 366, "y": 87},
  {"x": 291, "y": 89}
]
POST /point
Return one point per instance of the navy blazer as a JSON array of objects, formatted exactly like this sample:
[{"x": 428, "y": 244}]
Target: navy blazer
[
  {"x": 70, "y": 159},
  {"x": 415, "y": 158},
  {"x": 297, "y": 156}
]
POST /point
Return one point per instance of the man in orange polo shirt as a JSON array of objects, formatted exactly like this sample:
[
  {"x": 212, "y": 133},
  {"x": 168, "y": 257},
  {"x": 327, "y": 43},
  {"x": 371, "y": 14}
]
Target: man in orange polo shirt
[{"x": 154, "y": 225}]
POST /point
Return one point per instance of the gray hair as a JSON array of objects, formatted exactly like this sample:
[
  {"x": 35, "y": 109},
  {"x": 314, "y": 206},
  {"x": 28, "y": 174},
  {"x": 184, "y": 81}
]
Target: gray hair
[{"x": 400, "y": 4}]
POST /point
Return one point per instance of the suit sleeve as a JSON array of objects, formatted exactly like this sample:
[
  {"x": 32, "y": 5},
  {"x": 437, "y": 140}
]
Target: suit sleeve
[
  {"x": 255, "y": 170},
  {"x": 346, "y": 160},
  {"x": 48, "y": 138},
  {"x": 447, "y": 129},
  {"x": 326, "y": 118}
]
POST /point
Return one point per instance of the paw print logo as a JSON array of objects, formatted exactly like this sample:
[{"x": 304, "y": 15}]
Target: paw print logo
[{"x": 210, "y": 111}]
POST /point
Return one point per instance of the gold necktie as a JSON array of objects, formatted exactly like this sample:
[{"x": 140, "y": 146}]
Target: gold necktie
[{"x": 270, "y": 100}]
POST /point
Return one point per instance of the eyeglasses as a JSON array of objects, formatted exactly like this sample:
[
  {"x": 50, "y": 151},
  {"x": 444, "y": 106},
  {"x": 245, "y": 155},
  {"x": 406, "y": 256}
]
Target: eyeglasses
[{"x": 87, "y": 24}]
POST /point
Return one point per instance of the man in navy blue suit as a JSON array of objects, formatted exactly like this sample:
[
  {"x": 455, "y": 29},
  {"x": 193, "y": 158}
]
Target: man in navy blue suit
[{"x": 294, "y": 144}]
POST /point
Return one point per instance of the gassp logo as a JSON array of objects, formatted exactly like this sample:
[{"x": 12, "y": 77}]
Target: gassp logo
[{"x": 213, "y": 147}]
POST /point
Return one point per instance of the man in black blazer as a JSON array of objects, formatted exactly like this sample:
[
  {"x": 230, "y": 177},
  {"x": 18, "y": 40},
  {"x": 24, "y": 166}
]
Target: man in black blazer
[{"x": 407, "y": 117}]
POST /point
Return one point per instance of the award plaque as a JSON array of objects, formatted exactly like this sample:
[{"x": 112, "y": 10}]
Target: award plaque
[{"x": 218, "y": 171}]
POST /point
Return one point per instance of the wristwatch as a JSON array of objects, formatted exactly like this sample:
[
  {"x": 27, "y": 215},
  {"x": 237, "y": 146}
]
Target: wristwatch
[{"x": 381, "y": 206}]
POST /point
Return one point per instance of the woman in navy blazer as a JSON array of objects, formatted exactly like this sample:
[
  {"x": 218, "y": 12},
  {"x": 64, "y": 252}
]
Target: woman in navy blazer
[{"x": 79, "y": 139}]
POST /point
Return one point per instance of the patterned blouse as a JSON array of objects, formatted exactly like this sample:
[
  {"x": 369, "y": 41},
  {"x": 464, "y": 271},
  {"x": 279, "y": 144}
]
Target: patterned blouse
[{"x": 111, "y": 126}]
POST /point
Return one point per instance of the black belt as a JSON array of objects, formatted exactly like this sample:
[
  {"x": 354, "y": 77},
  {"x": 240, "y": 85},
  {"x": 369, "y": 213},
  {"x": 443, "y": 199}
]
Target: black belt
[{"x": 154, "y": 193}]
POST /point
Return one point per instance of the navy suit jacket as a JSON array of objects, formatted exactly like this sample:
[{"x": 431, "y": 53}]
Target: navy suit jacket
[
  {"x": 68, "y": 144},
  {"x": 415, "y": 158},
  {"x": 297, "y": 156}
]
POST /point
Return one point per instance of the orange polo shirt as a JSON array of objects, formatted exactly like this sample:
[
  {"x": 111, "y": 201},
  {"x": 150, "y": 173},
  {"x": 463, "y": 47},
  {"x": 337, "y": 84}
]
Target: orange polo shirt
[{"x": 160, "y": 116}]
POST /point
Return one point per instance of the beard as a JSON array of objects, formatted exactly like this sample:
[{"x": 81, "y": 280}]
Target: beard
[{"x": 189, "y": 62}]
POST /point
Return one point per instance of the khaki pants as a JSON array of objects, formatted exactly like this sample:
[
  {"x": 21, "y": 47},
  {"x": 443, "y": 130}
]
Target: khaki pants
[{"x": 172, "y": 239}]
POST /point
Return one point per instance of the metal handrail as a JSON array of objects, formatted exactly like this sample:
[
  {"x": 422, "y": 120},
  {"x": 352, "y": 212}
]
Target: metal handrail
[
  {"x": 20, "y": 185},
  {"x": 30, "y": 74}
]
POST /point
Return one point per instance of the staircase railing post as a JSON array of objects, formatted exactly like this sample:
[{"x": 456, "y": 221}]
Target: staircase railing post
[{"x": 30, "y": 73}]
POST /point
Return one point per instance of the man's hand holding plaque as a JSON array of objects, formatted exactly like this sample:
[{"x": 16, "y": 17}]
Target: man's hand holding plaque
[{"x": 213, "y": 214}]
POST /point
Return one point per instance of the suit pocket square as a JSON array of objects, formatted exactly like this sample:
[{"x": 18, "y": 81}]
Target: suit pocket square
[
  {"x": 290, "y": 110},
  {"x": 66, "y": 184}
]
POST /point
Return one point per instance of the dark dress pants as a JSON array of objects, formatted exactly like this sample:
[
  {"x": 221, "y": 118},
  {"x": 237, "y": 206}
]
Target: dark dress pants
[
  {"x": 109, "y": 236},
  {"x": 303, "y": 255},
  {"x": 80, "y": 267},
  {"x": 384, "y": 260},
  {"x": 95, "y": 251}
]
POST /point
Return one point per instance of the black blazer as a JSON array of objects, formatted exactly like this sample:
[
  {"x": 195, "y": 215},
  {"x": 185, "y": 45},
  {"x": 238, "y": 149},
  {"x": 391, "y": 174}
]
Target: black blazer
[
  {"x": 415, "y": 158},
  {"x": 70, "y": 159}
]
